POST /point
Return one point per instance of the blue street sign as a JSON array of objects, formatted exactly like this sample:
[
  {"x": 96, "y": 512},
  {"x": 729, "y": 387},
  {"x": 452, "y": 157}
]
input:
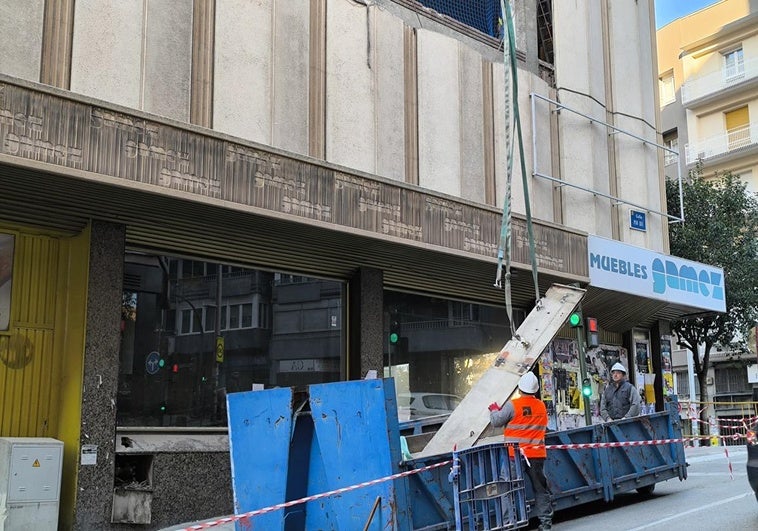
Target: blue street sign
[
  {"x": 637, "y": 220},
  {"x": 152, "y": 363}
]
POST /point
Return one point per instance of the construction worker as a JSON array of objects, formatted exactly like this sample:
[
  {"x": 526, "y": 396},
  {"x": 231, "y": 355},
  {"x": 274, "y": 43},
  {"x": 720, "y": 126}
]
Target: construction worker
[
  {"x": 524, "y": 420},
  {"x": 620, "y": 399}
]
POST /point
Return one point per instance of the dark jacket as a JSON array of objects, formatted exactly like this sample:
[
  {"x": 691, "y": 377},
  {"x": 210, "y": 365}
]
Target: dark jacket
[{"x": 619, "y": 402}]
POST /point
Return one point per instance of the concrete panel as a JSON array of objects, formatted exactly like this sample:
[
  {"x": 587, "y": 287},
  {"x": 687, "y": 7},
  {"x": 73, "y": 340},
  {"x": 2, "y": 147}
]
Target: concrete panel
[
  {"x": 350, "y": 89},
  {"x": 636, "y": 162},
  {"x": 290, "y": 67},
  {"x": 439, "y": 113},
  {"x": 472, "y": 125},
  {"x": 168, "y": 59},
  {"x": 579, "y": 64},
  {"x": 242, "y": 71},
  {"x": 106, "y": 51},
  {"x": 21, "y": 42},
  {"x": 390, "y": 95}
]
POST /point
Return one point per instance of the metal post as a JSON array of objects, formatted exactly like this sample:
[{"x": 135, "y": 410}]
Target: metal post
[
  {"x": 217, "y": 364},
  {"x": 693, "y": 397},
  {"x": 583, "y": 370}
]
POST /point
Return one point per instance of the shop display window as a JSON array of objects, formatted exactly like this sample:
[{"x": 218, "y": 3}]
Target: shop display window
[
  {"x": 439, "y": 349},
  {"x": 185, "y": 345}
]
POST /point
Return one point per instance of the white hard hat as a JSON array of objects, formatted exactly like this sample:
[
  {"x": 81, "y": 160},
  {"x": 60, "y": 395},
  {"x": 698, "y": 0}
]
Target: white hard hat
[
  {"x": 618, "y": 367},
  {"x": 528, "y": 383}
]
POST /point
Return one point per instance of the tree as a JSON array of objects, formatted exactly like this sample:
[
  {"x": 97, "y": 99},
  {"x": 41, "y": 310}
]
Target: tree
[{"x": 720, "y": 229}]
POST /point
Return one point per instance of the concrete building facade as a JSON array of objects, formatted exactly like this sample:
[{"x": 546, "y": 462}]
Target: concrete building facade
[{"x": 201, "y": 197}]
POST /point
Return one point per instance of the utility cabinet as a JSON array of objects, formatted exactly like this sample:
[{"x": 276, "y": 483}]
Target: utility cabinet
[{"x": 30, "y": 483}]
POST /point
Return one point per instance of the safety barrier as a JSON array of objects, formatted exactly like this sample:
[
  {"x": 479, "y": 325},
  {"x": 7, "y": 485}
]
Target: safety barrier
[{"x": 489, "y": 491}]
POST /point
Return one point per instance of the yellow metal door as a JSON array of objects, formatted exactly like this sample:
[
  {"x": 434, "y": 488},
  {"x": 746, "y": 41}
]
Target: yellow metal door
[{"x": 29, "y": 368}]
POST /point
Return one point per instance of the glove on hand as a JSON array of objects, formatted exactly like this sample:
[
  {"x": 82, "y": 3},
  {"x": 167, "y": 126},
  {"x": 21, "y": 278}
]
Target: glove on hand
[{"x": 493, "y": 407}]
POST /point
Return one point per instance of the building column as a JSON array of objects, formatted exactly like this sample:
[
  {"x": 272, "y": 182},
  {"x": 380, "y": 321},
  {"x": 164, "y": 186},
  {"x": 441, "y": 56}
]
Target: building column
[
  {"x": 101, "y": 362},
  {"x": 366, "y": 323},
  {"x": 660, "y": 328}
]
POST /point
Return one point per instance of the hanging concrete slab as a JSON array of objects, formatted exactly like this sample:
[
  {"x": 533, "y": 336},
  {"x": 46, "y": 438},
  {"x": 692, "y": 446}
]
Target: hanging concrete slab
[{"x": 471, "y": 418}]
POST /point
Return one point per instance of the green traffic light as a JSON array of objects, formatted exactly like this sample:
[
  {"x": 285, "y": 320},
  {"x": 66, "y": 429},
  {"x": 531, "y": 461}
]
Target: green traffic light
[
  {"x": 586, "y": 388},
  {"x": 575, "y": 319},
  {"x": 587, "y": 391},
  {"x": 161, "y": 363},
  {"x": 394, "y": 337},
  {"x": 163, "y": 408}
]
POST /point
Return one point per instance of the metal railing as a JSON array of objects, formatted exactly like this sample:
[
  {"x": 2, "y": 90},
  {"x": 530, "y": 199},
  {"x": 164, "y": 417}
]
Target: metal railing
[
  {"x": 733, "y": 140},
  {"x": 697, "y": 87},
  {"x": 556, "y": 106}
]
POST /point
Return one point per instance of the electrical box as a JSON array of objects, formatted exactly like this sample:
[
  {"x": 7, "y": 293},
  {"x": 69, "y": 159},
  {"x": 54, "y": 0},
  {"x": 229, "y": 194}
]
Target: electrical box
[{"x": 30, "y": 483}]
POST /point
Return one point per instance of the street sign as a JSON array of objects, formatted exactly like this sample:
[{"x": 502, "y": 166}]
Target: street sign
[
  {"x": 637, "y": 220},
  {"x": 220, "y": 349},
  {"x": 152, "y": 363}
]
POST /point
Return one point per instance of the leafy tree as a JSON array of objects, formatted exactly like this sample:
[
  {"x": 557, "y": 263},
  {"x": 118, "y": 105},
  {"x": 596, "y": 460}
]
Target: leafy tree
[{"x": 720, "y": 229}]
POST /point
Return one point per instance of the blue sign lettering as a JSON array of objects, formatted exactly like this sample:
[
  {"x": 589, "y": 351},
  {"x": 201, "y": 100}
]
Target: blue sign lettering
[
  {"x": 616, "y": 265},
  {"x": 686, "y": 278}
]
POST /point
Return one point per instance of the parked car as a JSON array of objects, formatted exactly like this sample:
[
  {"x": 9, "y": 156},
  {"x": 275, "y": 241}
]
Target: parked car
[
  {"x": 427, "y": 404},
  {"x": 752, "y": 457}
]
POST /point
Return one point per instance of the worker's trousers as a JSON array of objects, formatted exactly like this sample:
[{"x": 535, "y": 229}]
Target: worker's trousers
[{"x": 543, "y": 506}]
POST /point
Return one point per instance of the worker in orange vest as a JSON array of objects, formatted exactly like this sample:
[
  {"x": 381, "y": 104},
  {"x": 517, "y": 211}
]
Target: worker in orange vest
[{"x": 524, "y": 419}]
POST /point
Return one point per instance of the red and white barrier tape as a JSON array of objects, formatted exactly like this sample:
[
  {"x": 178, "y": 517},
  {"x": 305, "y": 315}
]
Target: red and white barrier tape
[
  {"x": 272, "y": 508},
  {"x": 587, "y": 446}
]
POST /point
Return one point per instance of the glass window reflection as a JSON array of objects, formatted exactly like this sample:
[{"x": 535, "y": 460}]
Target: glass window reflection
[
  {"x": 444, "y": 347},
  {"x": 276, "y": 332}
]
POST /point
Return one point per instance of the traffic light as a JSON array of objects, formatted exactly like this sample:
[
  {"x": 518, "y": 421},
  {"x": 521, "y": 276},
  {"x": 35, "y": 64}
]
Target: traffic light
[
  {"x": 575, "y": 320},
  {"x": 592, "y": 332},
  {"x": 394, "y": 331},
  {"x": 586, "y": 387}
]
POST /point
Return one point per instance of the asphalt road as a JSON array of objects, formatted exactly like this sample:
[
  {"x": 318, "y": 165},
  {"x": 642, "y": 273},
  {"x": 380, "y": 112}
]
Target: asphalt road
[{"x": 709, "y": 499}]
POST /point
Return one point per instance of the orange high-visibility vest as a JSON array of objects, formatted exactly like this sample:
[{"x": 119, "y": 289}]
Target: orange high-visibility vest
[{"x": 528, "y": 426}]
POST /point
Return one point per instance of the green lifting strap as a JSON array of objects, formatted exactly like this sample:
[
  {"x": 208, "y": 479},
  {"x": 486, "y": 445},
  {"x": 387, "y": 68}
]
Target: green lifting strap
[{"x": 511, "y": 100}]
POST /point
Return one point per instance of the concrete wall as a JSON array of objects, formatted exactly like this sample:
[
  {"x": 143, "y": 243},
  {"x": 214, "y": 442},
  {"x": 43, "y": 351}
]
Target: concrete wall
[
  {"x": 134, "y": 53},
  {"x": 261, "y": 72},
  {"x": 365, "y": 89},
  {"x": 21, "y": 42}
]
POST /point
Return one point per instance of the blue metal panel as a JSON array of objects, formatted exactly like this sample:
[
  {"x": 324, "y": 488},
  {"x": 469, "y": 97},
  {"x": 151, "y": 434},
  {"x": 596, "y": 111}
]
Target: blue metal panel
[
  {"x": 260, "y": 427},
  {"x": 352, "y": 433}
]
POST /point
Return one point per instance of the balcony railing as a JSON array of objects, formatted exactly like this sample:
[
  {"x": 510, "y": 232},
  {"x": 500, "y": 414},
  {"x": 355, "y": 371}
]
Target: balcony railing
[
  {"x": 706, "y": 84},
  {"x": 731, "y": 141}
]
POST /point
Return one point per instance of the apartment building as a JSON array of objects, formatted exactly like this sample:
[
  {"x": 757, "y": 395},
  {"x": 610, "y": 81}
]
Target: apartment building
[{"x": 708, "y": 87}]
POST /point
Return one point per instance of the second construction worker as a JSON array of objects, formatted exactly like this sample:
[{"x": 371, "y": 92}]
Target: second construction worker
[
  {"x": 620, "y": 399},
  {"x": 525, "y": 421}
]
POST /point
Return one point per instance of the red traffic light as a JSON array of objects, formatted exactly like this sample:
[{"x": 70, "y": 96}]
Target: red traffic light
[
  {"x": 592, "y": 325},
  {"x": 175, "y": 367}
]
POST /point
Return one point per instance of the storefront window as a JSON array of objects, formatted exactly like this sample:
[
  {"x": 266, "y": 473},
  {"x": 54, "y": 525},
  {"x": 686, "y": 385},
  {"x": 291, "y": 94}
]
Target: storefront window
[
  {"x": 443, "y": 348},
  {"x": 275, "y": 332}
]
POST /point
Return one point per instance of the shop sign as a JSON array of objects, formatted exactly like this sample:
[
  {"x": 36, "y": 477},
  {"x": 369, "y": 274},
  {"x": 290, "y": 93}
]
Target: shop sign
[
  {"x": 6, "y": 277},
  {"x": 628, "y": 269}
]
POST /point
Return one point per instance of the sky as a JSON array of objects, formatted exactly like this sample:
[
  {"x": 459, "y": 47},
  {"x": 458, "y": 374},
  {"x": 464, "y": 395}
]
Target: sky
[{"x": 668, "y": 10}]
